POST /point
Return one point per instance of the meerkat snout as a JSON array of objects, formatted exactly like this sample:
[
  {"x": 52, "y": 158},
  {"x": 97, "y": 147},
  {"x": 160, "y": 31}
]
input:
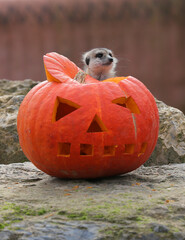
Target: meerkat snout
[{"x": 100, "y": 63}]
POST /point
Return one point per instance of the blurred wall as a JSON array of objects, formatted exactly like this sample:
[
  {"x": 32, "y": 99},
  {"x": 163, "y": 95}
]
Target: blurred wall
[{"x": 147, "y": 36}]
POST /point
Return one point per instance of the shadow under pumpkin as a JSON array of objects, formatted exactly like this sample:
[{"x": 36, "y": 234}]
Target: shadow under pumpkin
[{"x": 64, "y": 107}]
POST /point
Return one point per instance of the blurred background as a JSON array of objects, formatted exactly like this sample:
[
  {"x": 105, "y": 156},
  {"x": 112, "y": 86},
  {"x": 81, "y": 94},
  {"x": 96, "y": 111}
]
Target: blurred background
[{"x": 147, "y": 36}]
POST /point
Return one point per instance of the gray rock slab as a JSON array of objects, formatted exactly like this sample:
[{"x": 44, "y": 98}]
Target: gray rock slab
[
  {"x": 148, "y": 203},
  {"x": 170, "y": 146},
  {"x": 11, "y": 95}
]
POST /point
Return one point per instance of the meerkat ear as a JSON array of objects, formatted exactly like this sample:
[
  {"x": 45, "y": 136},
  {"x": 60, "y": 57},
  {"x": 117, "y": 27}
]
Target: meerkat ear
[{"x": 87, "y": 60}]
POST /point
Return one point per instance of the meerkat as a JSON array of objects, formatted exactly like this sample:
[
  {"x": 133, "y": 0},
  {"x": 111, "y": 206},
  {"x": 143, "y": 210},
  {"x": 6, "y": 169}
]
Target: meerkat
[{"x": 100, "y": 63}]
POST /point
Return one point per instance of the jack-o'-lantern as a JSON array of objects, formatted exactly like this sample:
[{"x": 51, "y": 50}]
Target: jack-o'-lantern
[{"x": 96, "y": 129}]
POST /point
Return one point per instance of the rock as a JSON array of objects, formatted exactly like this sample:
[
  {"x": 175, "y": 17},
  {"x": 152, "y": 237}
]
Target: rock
[
  {"x": 150, "y": 236},
  {"x": 179, "y": 236},
  {"x": 159, "y": 228},
  {"x": 6, "y": 235},
  {"x": 15, "y": 88},
  {"x": 141, "y": 205},
  {"x": 11, "y": 95},
  {"x": 170, "y": 147}
]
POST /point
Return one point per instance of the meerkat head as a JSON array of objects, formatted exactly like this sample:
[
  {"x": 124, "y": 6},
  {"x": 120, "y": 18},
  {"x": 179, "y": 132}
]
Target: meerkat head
[{"x": 100, "y": 63}]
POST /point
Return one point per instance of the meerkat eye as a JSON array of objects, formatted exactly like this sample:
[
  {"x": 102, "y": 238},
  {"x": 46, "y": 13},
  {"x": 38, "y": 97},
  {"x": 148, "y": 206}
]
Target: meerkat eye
[
  {"x": 110, "y": 54},
  {"x": 99, "y": 55},
  {"x": 87, "y": 60}
]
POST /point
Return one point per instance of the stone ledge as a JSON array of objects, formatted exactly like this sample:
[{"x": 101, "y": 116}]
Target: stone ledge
[{"x": 147, "y": 203}]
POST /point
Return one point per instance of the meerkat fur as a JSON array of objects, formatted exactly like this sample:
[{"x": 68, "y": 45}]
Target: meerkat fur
[{"x": 100, "y": 63}]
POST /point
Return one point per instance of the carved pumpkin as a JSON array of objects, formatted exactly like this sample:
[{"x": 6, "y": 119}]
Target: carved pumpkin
[{"x": 97, "y": 129}]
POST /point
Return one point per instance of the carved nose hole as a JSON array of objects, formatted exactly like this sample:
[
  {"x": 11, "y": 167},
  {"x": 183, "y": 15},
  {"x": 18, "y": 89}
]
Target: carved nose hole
[{"x": 97, "y": 125}]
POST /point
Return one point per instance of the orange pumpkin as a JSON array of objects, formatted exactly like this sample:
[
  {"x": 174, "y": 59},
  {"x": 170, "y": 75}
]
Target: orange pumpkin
[{"x": 97, "y": 129}]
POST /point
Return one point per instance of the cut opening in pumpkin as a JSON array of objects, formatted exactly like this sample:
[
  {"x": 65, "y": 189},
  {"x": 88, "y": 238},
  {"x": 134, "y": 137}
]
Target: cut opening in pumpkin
[
  {"x": 143, "y": 149},
  {"x": 109, "y": 150},
  {"x": 127, "y": 103},
  {"x": 120, "y": 101},
  {"x": 62, "y": 108},
  {"x": 64, "y": 149},
  {"x": 129, "y": 148},
  {"x": 86, "y": 149},
  {"x": 97, "y": 125}
]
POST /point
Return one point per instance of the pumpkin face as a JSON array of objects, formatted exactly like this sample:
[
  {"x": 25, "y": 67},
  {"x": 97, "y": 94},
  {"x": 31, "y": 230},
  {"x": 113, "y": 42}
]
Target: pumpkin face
[{"x": 97, "y": 129}]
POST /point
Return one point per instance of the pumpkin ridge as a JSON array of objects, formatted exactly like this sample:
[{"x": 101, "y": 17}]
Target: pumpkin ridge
[
  {"x": 34, "y": 123},
  {"x": 26, "y": 101},
  {"x": 31, "y": 123},
  {"x": 135, "y": 125},
  {"x": 151, "y": 101},
  {"x": 124, "y": 92},
  {"x": 99, "y": 90}
]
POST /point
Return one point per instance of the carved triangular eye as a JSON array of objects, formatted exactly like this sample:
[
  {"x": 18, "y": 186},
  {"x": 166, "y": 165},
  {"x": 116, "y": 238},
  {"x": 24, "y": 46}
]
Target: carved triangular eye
[
  {"x": 127, "y": 103},
  {"x": 120, "y": 101},
  {"x": 97, "y": 125},
  {"x": 62, "y": 108}
]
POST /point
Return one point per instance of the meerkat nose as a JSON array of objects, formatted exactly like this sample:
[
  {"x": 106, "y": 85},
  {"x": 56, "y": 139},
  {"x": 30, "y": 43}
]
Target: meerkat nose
[{"x": 110, "y": 59}]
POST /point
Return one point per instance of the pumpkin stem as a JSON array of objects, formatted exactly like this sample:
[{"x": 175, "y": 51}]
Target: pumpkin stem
[{"x": 80, "y": 77}]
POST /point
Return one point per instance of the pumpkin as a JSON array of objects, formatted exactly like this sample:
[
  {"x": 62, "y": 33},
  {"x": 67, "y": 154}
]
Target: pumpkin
[{"x": 96, "y": 129}]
